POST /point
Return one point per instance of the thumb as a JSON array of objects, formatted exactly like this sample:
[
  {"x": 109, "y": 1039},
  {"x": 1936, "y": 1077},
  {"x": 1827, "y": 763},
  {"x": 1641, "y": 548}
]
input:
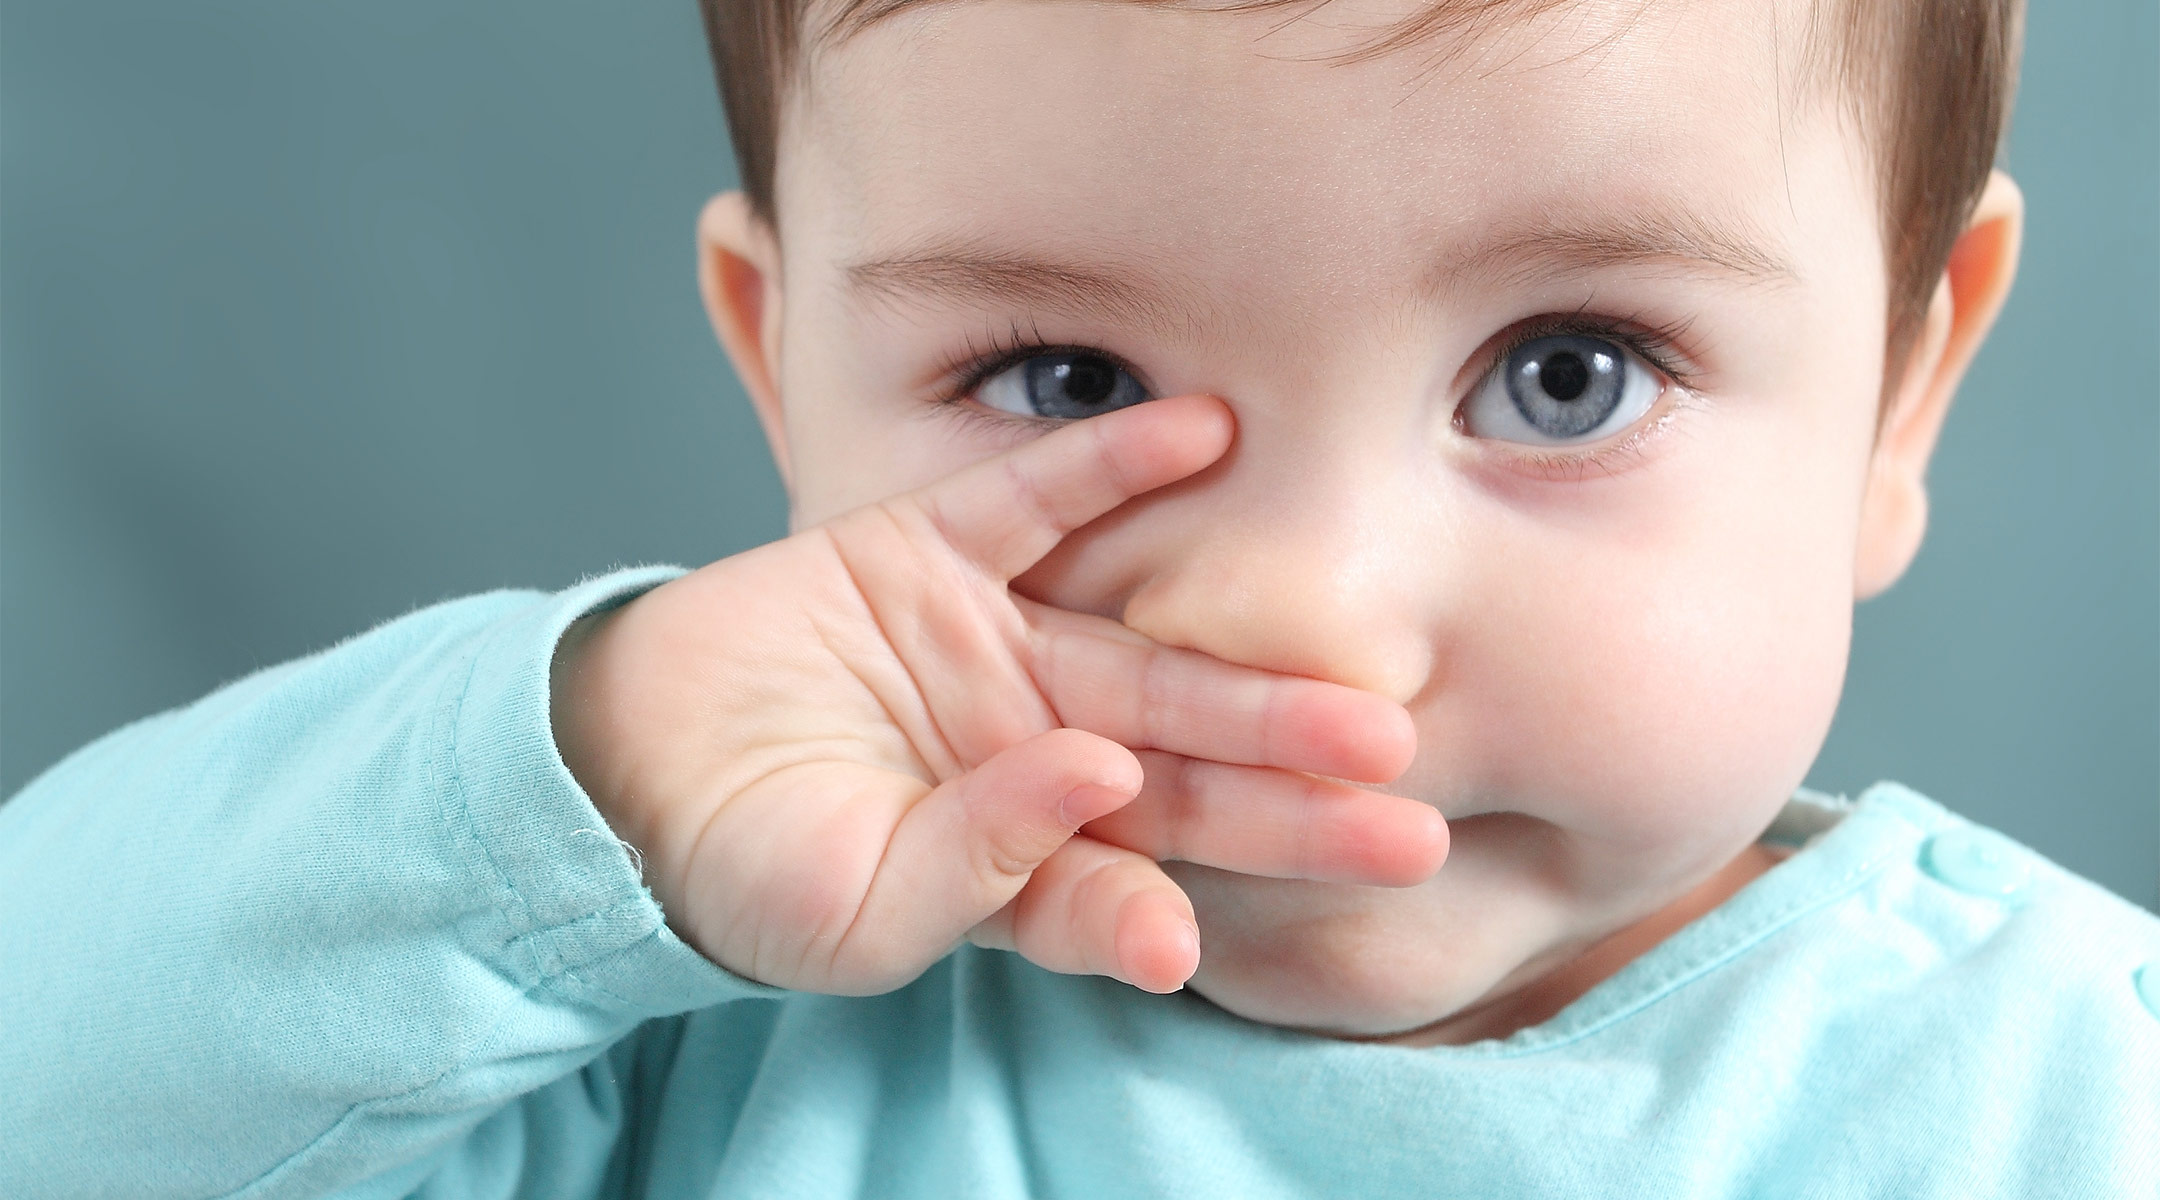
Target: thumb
[{"x": 969, "y": 845}]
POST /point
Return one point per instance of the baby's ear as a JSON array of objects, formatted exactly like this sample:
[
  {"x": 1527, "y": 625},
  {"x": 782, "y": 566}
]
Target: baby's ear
[
  {"x": 739, "y": 276},
  {"x": 1974, "y": 283}
]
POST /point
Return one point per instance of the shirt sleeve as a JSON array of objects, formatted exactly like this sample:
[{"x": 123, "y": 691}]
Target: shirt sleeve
[{"x": 332, "y": 928}]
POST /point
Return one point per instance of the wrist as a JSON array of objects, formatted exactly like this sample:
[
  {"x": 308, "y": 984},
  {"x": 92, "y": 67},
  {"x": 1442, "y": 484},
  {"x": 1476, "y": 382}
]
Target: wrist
[{"x": 579, "y": 713}]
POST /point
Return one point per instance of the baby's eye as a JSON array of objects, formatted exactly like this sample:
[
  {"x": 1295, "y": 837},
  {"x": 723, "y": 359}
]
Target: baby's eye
[
  {"x": 1064, "y": 384},
  {"x": 1562, "y": 389}
]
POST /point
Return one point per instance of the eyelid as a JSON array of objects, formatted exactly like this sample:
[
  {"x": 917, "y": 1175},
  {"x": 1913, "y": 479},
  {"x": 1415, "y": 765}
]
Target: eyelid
[
  {"x": 1633, "y": 449},
  {"x": 1657, "y": 343}
]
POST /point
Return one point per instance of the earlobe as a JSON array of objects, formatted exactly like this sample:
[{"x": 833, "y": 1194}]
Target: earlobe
[
  {"x": 739, "y": 277},
  {"x": 1975, "y": 282}
]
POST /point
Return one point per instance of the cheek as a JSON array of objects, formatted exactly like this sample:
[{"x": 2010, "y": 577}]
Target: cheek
[
  {"x": 854, "y": 438},
  {"x": 1667, "y": 686}
]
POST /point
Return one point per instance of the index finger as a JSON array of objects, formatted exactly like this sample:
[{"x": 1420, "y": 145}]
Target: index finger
[{"x": 1008, "y": 511}]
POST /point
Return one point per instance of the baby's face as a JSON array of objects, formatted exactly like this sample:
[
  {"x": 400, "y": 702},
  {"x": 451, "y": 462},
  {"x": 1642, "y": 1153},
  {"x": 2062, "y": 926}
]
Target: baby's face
[{"x": 1555, "y": 366}]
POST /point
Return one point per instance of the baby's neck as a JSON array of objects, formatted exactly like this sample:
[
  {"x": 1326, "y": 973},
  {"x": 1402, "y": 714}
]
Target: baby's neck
[{"x": 1542, "y": 999}]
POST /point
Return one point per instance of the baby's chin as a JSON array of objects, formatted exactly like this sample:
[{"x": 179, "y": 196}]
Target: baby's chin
[{"x": 1359, "y": 961}]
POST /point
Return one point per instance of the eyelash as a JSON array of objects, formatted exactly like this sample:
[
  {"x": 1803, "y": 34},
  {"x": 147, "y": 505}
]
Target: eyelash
[
  {"x": 1656, "y": 343},
  {"x": 972, "y": 367}
]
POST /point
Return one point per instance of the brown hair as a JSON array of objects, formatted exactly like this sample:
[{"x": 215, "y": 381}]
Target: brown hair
[{"x": 1929, "y": 82}]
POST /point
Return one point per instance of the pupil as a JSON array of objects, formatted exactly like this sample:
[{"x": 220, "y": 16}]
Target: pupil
[
  {"x": 1564, "y": 375},
  {"x": 1086, "y": 380}
]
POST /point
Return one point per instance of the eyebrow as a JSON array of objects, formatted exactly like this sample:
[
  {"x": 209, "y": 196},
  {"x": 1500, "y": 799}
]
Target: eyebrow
[
  {"x": 964, "y": 271},
  {"x": 845, "y": 20},
  {"x": 853, "y": 17},
  {"x": 1680, "y": 239}
]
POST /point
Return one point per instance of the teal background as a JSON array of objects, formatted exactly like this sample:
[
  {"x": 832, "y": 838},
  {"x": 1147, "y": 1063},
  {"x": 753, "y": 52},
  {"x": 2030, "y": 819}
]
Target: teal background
[{"x": 310, "y": 314}]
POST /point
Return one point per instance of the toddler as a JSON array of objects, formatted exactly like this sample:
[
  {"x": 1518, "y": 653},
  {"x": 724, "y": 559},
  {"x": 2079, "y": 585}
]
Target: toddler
[{"x": 1323, "y": 546}]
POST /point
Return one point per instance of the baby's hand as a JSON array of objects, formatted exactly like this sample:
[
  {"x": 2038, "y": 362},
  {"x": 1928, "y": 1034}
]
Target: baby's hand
[{"x": 844, "y": 752}]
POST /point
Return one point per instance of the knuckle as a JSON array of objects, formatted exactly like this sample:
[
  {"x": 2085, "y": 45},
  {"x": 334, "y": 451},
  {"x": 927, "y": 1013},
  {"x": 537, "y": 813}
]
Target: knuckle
[
  {"x": 1308, "y": 804},
  {"x": 1151, "y": 696},
  {"x": 1091, "y": 922},
  {"x": 1012, "y": 852},
  {"x": 933, "y": 511},
  {"x": 1107, "y": 460},
  {"x": 1048, "y": 652},
  {"x": 1182, "y": 808},
  {"x": 1278, "y": 702},
  {"x": 1095, "y": 886},
  {"x": 1031, "y": 497}
]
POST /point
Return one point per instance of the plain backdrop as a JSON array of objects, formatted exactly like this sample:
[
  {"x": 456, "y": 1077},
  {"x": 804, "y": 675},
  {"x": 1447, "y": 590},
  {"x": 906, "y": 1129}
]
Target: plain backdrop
[{"x": 313, "y": 313}]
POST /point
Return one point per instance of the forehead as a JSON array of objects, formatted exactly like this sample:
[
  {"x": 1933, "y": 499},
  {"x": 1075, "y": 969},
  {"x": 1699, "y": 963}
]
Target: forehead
[{"x": 1221, "y": 138}]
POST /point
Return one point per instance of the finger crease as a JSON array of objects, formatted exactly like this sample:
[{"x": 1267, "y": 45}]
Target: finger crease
[
  {"x": 1306, "y": 804},
  {"x": 1037, "y": 504},
  {"x": 1151, "y": 702},
  {"x": 1182, "y": 809}
]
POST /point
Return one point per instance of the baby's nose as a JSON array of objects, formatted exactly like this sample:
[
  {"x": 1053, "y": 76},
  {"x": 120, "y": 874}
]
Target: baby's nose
[{"x": 1319, "y": 583}]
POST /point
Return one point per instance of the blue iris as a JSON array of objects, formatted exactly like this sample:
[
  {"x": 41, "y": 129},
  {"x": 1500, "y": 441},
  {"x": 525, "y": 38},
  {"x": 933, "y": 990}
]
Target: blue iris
[{"x": 1566, "y": 384}]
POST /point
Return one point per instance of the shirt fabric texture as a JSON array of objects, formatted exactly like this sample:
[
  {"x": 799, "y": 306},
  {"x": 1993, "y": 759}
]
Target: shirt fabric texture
[{"x": 348, "y": 927}]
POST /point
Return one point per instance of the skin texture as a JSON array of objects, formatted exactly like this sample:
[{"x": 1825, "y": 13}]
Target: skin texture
[{"x": 1617, "y": 668}]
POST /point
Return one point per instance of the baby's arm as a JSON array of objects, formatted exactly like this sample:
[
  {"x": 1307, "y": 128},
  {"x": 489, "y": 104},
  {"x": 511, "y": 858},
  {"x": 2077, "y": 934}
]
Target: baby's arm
[{"x": 314, "y": 928}]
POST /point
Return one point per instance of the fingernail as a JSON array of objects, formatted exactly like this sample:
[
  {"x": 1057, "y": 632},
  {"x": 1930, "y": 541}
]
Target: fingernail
[
  {"x": 1189, "y": 945},
  {"x": 1089, "y": 801}
]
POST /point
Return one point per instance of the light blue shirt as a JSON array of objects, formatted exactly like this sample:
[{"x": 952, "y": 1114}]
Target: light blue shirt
[{"x": 348, "y": 927}]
